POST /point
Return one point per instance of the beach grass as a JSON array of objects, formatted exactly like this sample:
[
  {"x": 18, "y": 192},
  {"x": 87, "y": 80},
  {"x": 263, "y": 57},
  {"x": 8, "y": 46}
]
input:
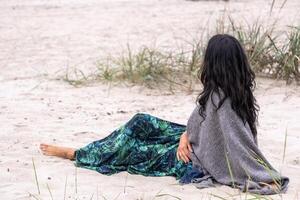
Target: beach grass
[
  {"x": 159, "y": 195},
  {"x": 272, "y": 53}
]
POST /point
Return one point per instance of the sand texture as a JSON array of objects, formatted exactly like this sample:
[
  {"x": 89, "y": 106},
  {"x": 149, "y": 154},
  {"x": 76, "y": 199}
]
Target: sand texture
[{"x": 40, "y": 39}]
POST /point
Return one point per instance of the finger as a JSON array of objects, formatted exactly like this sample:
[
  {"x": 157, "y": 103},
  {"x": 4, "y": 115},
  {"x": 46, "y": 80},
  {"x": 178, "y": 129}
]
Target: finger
[
  {"x": 187, "y": 155},
  {"x": 185, "y": 158},
  {"x": 177, "y": 155},
  {"x": 190, "y": 147},
  {"x": 186, "y": 152},
  {"x": 181, "y": 156}
]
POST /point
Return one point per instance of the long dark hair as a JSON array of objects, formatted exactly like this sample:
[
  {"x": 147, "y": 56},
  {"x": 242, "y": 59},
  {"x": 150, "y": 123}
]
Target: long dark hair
[{"x": 226, "y": 66}]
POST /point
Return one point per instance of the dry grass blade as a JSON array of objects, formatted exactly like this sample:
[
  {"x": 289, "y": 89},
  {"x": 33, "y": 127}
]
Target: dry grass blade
[
  {"x": 49, "y": 191},
  {"x": 125, "y": 184},
  {"x": 76, "y": 191},
  {"x": 36, "y": 178},
  {"x": 104, "y": 197},
  {"x": 162, "y": 195},
  {"x": 284, "y": 147},
  {"x": 283, "y": 4},
  {"x": 65, "y": 189},
  {"x": 117, "y": 196},
  {"x": 258, "y": 197},
  {"x": 230, "y": 169},
  {"x": 34, "y": 196},
  {"x": 217, "y": 196},
  {"x": 272, "y": 6},
  {"x": 273, "y": 174},
  {"x": 157, "y": 194},
  {"x": 92, "y": 197}
]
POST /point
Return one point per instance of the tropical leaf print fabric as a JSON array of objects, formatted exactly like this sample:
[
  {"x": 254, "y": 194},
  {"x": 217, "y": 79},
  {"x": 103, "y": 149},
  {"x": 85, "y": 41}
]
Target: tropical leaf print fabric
[{"x": 145, "y": 145}]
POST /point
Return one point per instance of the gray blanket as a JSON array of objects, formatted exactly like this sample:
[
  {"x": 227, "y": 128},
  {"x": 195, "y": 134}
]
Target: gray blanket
[{"x": 226, "y": 151}]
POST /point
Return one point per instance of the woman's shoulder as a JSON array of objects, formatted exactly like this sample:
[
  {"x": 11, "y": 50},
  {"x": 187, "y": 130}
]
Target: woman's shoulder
[{"x": 211, "y": 106}]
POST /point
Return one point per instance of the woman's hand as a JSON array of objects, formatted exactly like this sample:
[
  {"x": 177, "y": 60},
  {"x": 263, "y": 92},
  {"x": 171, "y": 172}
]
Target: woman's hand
[{"x": 184, "y": 148}]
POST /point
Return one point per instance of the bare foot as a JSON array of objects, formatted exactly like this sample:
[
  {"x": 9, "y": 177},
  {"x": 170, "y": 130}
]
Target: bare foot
[{"x": 63, "y": 152}]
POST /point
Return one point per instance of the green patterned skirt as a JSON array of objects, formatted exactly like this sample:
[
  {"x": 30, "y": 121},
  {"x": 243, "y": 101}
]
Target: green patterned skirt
[{"x": 145, "y": 145}]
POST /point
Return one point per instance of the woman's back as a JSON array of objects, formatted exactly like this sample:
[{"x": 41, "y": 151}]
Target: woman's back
[{"x": 225, "y": 148}]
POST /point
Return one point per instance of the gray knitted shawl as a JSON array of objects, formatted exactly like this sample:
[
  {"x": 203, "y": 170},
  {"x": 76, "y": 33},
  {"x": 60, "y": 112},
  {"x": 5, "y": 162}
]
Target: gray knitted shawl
[{"x": 226, "y": 151}]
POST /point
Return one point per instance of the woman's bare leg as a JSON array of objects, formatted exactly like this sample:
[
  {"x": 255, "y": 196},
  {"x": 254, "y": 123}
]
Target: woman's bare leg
[{"x": 62, "y": 152}]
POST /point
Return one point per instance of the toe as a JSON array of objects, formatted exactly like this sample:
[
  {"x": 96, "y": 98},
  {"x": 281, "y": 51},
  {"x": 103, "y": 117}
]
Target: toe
[{"x": 43, "y": 147}]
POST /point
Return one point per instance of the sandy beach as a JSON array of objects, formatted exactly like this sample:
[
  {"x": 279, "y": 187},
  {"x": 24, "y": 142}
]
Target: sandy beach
[{"x": 41, "y": 39}]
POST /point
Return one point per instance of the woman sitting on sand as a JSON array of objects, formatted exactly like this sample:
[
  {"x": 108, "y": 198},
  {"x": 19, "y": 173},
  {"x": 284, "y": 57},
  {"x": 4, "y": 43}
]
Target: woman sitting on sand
[{"x": 218, "y": 145}]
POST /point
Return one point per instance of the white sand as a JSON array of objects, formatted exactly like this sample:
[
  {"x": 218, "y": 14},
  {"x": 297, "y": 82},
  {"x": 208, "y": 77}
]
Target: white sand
[{"x": 39, "y": 39}]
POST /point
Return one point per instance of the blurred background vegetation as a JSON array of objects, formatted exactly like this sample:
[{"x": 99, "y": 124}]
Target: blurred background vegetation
[{"x": 272, "y": 53}]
